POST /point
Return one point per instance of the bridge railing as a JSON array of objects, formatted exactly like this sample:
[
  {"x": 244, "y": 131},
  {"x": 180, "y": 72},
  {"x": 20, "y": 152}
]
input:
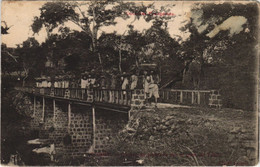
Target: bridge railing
[
  {"x": 115, "y": 96},
  {"x": 78, "y": 93},
  {"x": 177, "y": 96},
  {"x": 124, "y": 97}
]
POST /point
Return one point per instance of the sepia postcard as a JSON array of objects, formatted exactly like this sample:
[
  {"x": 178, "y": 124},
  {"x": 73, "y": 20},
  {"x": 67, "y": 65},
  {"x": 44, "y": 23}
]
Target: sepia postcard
[{"x": 129, "y": 83}]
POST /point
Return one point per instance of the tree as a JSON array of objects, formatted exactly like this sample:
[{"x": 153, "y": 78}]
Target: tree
[
  {"x": 30, "y": 59},
  {"x": 9, "y": 61},
  {"x": 67, "y": 52},
  {"x": 90, "y": 17},
  {"x": 226, "y": 51},
  {"x": 90, "y": 21}
]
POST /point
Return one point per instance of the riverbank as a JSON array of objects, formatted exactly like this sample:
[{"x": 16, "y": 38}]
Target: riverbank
[
  {"x": 187, "y": 136},
  {"x": 16, "y": 131}
]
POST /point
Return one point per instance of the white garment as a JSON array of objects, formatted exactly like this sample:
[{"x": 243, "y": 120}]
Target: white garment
[
  {"x": 44, "y": 84},
  {"x": 125, "y": 83},
  {"x": 83, "y": 83},
  {"x": 134, "y": 80},
  {"x": 66, "y": 84},
  {"x": 93, "y": 80},
  {"x": 49, "y": 84},
  {"x": 63, "y": 84},
  {"x": 56, "y": 85}
]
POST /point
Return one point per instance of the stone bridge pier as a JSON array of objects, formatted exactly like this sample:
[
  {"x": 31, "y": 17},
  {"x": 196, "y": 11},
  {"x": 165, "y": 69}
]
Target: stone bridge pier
[{"x": 75, "y": 129}]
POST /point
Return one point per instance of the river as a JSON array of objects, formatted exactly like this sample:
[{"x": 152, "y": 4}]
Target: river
[{"x": 15, "y": 132}]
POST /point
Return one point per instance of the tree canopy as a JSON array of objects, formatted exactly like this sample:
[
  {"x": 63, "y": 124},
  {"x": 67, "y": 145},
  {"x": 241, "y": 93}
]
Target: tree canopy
[{"x": 222, "y": 36}]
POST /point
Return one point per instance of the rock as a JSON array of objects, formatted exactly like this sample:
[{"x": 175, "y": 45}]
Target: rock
[
  {"x": 181, "y": 121},
  {"x": 189, "y": 121},
  {"x": 235, "y": 130},
  {"x": 164, "y": 127},
  {"x": 243, "y": 130},
  {"x": 157, "y": 118},
  {"x": 169, "y": 132},
  {"x": 207, "y": 124},
  {"x": 164, "y": 120},
  {"x": 169, "y": 117},
  {"x": 167, "y": 123},
  {"x": 173, "y": 127}
]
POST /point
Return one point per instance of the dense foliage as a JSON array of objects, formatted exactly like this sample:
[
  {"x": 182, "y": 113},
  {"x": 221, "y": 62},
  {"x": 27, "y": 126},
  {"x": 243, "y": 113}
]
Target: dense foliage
[{"x": 216, "y": 57}]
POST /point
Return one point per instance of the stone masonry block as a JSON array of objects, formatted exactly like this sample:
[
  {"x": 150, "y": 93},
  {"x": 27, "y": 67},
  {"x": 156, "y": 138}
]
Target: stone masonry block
[
  {"x": 141, "y": 97},
  {"x": 135, "y": 97}
]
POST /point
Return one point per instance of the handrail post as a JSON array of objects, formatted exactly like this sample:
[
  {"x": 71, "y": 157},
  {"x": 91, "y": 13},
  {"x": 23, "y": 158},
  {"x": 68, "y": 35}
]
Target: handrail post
[
  {"x": 181, "y": 97},
  {"x": 198, "y": 97},
  {"x": 101, "y": 95},
  {"x": 126, "y": 94},
  {"x": 82, "y": 94},
  {"x": 117, "y": 97},
  {"x": 192, "y": 97}
]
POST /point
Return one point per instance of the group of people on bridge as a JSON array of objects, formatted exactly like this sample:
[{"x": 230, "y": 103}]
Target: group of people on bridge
[{"x": 147, "y": 80}]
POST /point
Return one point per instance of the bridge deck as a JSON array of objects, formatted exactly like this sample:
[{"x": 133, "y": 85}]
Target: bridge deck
[
  {"x": 100, "y": 98},
  {"x": 120, "y": 100}
]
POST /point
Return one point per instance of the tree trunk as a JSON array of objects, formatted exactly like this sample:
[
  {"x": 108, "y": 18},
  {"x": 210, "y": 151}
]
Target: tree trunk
[
  {"x": 120, "y": 60},
  {"x": 94, "y": 37},
  {"x": 26, "y": 71},
  {"x": 26, "y": 76},
  {"x": 100, "y": 62}
]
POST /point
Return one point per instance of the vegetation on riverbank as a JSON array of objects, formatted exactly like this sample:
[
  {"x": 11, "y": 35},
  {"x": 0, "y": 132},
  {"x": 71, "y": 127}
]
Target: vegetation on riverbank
[{"x": 186, "y": 136}]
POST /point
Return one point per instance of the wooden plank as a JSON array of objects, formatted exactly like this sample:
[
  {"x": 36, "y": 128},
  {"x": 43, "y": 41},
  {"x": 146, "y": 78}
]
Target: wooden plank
[{"x": 185, "y": 90}]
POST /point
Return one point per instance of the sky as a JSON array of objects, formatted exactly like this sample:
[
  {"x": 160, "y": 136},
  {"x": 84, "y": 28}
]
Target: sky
[{"x": 20, "y": 14}]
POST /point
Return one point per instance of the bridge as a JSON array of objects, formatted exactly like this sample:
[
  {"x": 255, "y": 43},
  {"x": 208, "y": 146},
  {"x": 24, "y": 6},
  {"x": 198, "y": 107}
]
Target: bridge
[
  {"x": 90, "y": 117},
  {"x": 122, "y": 100}
]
